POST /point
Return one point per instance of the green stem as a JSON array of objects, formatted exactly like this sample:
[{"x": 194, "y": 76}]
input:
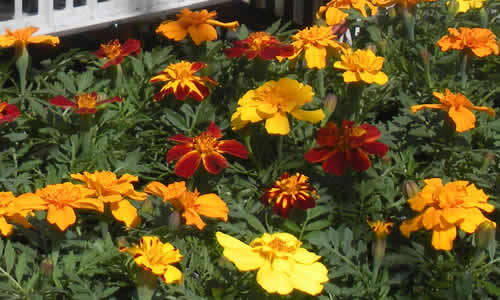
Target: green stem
[
  {"x": 463, "y": 70},
  {"x": 321, "y": 83},
  {"x": 18, "y": 286},
  {"x": 280, "y": 147},
  {"x": 247, "y": 140},
  {"x": 409, "y": 21},
  {"x": 22, "y": 62}
]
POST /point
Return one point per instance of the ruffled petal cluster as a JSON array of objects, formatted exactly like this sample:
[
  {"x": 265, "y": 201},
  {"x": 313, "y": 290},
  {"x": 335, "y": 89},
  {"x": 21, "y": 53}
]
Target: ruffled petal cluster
[
  {"x": 480, "y": 41},
  {"x": 84, "y": 104},
  {"x": 20, "y": 38},
  {"x": 198, "y": 24},
  {"x": 181, "y": 81},
  {"x": 458, "y": 108},
  {"x": 272, "y": 102},
  {"x": 380, "y": 228},
  {"x": 10, "y": 212},
  {"x": 334, "y": 14},
  {"x": 347, "y": 146},
  {"x": 259, "y": 44},
  {"x": 282, "y": 265},
  {"x": 443, "y": 208},
  {"x": 8, "y": 112},
  {"x": 361, "y": 65},
  {"x": 114, "y": 52},
  {"x": 157, "y": 257},
  {"x": 205, "y": 148},
  {"x": 191, "y": 204}
]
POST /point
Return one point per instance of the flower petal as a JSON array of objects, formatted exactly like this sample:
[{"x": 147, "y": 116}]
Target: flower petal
[
  {"x": 278, "y": 124},
  {"x": 187, "y": 165},
  {"x": 214, "y": 162},
  {"x": 443, "y": 239},
  {"x": 212, "y": 206},
  {"x": 232, "y": 147},
  {"x": 201, "y": 33},
  {"x": 274, "y": 281},
  {"x": 463, "y": 118},
  {"x": 125, "y": 212},
  {"x": 178, "y": 151},
  {"x": 62, "y": 217},
  {"x": 311, "y": 116},
  {"x": 239, "y": 253}
]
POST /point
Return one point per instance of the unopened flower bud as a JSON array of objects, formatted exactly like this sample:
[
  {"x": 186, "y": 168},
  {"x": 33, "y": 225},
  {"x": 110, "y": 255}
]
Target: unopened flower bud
[
  {"x": 330, "y": 104},
  {"x": 410, "y": 188},
  {"x": 483, "y": 16},
  {"x": 382, "y": 45},
  {"x": 387, "y": 160},
  {"x": 425, "y": 56},
  {"x": 121, "y": 242},
  {"x": 174, "y": 220},
  {"x": 372, "y": 47},
  {"x": 452, "y": 7},
  {"x": 381, "y": 230},
  {"x": 392, "y": 13},
  {"x": 147, "y": 206},
  {"x": 485, "y": 233},
  {"x": 47, "y": 266}
]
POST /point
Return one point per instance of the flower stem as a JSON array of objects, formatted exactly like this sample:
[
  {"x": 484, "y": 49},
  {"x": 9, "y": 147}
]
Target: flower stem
[
  {"x": 409, "y": 21},
  {"x": 280, "y": 147},
  {"x": 463, "y": 70}
]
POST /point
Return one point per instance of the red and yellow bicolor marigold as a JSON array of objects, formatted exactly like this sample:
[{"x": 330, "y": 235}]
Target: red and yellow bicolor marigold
[
  {"x": 260, "y": 44},
  {"x": 479, "y": 41},
  {"x": 84, "y": 104},
  {"x": 8, "y": 112},
  {"x": 114, "y": 52}
]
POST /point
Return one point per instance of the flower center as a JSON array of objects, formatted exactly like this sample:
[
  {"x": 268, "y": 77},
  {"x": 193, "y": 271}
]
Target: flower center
[
  {"x": 345, "y": 139},
  {"x": 60, "y": 196},
  {"x": 86, "y": 101},
  {"x": 112, "y": 49},
  {"x": 451, "y": 196},
  {"x": 259, "y": 40},
  {"x": 289, "y": 185},
  {"x": 204, "y": 143},
  {"x": 281, "y": 246}
]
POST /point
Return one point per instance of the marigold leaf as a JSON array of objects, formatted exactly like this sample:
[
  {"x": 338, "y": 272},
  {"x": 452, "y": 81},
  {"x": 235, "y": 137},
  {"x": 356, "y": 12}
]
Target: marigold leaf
[
  {"x": 9, "y": 256},
  {"x": 20, "y": 267}
]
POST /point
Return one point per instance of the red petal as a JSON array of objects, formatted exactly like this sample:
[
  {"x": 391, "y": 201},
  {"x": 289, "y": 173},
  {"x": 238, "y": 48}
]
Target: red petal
[
  {"x": 327, "y": 136},
  {"x": 159, "y": 96},
  {"x": 187, "y": 165},
  {"x": 114, "y": 99},
  {"x": 347, "y": 124},
  {"x": 372, "y": 133},
  {"x": 270, "y": 52},
  {"x": 181, "y": 92},
  {"x": 304, "y": 201},
  {"x": 214, "y": 163},
  {"x": 359, "y": 160},
  {"x": 286, "y": 51},
  {"x": 232, "y": 147},
  {"x": 318, "y": 154},
  {"x": 131, "y": 46},
  {"x": 86, "y": 111},
  {"x": 10, "y": 113},
  {"x": 180, "y": 138},
  {"x": 195, "y": 67},
  {"x": 234, "y": 52},
  {"x": 213, "y": 130},
  {"x": 62, "y": 101},
  {"x": 337, "y": 164},
  {"x": 99, "y": 53},
  {"x": 178, "y": 151},
  {"x": 250, "y": 54},
  {"x": 377, "y": 148},
  {"x": 112, "y": 62},
  {"x": 283, "y": 206},
  {"x": 204, "y": 92}
]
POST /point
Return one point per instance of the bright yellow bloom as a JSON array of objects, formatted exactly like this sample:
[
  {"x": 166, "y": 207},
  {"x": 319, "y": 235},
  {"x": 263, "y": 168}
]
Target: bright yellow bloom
[
  {"x": 157, "y": 258},
  {"x": 272, "y": 102},
  {"x": 192, "y": 204},
  {"x": 480, "y": 41},
  {"x": 362, "y": 65},
  {"x": 458, "y": 108},
  {"x": 199, "y": 25},
  {"x": 465, "y": 5},
  {"x": 443, "y": 208},
  {"x": 10, "y": 212},
  {"x": 281, "y": 263},
  {"x": 334, "y": 14},
  {"x": 60, "y": 200},
  {"x": 110, "y": 189},
  {"x": 402, "y": 3},
  {"x": 380, "y": 228},
  {"x": 314, "y": 41},
  {"x": 22, "y": 37}
]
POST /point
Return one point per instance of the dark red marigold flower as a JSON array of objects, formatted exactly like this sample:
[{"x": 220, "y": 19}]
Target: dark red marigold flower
[
  {"x": 8, "y": 112},
  {"x": 205, "y": 148},
  {"x": 259, "y": 44},
  {"x": 115, "y": 52},
  {"x": 341, "y": 148},
  {"x": 84, "y": 104},
  {"x": 288, "y": 192}
]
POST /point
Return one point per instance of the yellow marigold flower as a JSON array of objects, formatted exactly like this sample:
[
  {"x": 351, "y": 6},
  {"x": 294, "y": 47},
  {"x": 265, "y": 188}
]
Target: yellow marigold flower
[
  {"x": 334, "y": 14},
  {"x": 444, "y": 207},
  {"x": 272, "y": 102},
  {"x": 458, "y": 108},
  {"x": 402, "y": 3},
  {"x": 314, "y": 41},
  {"x": 60, "y": 200},
  {"x": 361, "y": 65},
  {"x": 199, "y": 25},
  {"x": 380, "y": 228},
  {"x": 192, "y": 204},
  {"x": 22, "y": 37},
  {"x": 281, "y": 263},
  {"x": 110, "y": 189},
  {"x": 480, "y": 41},
  {"x": 156, "y": 257},
  {"x": 465, "y": 5},
  {"x": 10, "y": 212}
]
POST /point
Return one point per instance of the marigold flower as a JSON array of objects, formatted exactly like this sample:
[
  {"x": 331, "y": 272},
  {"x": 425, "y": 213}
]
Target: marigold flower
[
  {"x": 10, "y": 212},
  {"x": 465, "y": 5},
  {"x": 314, "y": 41},
  {"x": 8, "y": 112},
  {"x": 20, "y": 38},
  {"x": 361, "y": 65},
  {"x": 290, "y": 191},
  {"x": 340, "y": 148},
  {"x": 281, "y": 263},
  {"x": 199, "y": 25},
  {"x": 156, "y": 257},
  {"x": 205, "y": 148},
  {"x": 272, "y": 101},
  {"x": 192, "y": 204},
  {"x": 480, "y": 41},
  {"x": 380, "y": 228},
  {"x": 110, "y": 189},
  {"x": 84, "y": 104},
  {"x": 114, "y": 52},
  {"x": 260, "y": 44},
  {"x": 60, "y": 200},
  {"x": 458, "y": 108},
  {"x": 334, "y": 14},
  {"x": 443, "y": 208},
  {"x": 181, "y": 81}
]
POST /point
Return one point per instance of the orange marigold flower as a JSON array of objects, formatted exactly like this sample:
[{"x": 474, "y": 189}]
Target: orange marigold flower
[
  {"x": 110, "y": 189},
  {"x": 181, "y": 81},
  {"x": 114, "y": 52},
  {"x": 334, "y": 14},
  {"x": 361, "y": 65},
  {"x": 443, "y": 208},
  {"x": 314, "y": 41},
  {"x": 84, "y": 104},
  {"x": 156, "y": 257},
  {"x": 205, "y": 148},
  {"x": 10, "y": 212},
  {"x": 340, "y": 148},
  {"x": 458, "y": 108},
  {"x": 22, "y": 37},
  {"x": 8, "y": 112},
  {"x": 60, "y": 200},
  {"x": 480, "y": 41},
  {"x": 380, "y": 228},
  {"x": 290, "y": 191},
  {"x": 199, "y": 25},
  {"x": 191, "y": 204},
  {"x": 260, "y": 44}
]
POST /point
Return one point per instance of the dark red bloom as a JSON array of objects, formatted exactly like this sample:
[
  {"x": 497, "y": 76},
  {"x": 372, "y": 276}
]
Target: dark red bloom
[
  {"x": 205, "y": 148},
  {"x": 84, "y": 104},
  {"x": 259, "y": 44},
  {"x": 8, "y": 112},
  {"x": 115, "y": 52},
  {"x": 341, "y": 148},
  {"x": 288, "y": 192}
]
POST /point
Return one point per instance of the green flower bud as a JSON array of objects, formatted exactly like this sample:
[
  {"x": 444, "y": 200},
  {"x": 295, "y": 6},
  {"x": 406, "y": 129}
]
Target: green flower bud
[
  {"x": 485, "y": 234},
  {"x": 410, "y": 188}
]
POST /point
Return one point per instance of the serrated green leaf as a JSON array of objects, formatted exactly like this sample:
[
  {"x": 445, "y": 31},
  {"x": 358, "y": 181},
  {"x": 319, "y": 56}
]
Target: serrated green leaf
[
  {"x": 20, "y": 267},
  {"x": 318, "y": 225},
  {"x": 9, "y": 256}
]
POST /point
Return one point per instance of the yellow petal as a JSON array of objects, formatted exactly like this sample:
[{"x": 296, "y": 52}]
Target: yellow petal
[
  {"x": 416, "y": 108},
  {"x": 125, "y": 212},
  {"x": 278, "y": 124},
  {"x": 311, "y": 116},
  {"x": 443, "y": 239},
  {"x": 274, "y": 281},
  {"x": 62, "y": 217},
  {"x": 5, "y": 228},
  {"x": 315, "y": 57},
  {"x": 44, "y": 39},
  {"x": 239, "y": 253},
  {"x": 381, "y": 78},
  {"x": 309, "y": 278},
  {"x": 472, "y": 219},
  {"x": 305, "y": 257},
  {"x": 463, "y": 118},
  {"x": 172, "y": 275},
  {"x": 350, "y": 76}
]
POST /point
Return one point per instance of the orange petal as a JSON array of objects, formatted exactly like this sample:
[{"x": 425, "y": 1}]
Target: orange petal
[
  {"x": 61, "y": 217},
  {"x": 443, "y": 239},
  {"x": 125, "y": 212},
  {"x": 463, "y": 118},
  {"x": 212, "y": 206},
  {"x": 202, "y": 33}
]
